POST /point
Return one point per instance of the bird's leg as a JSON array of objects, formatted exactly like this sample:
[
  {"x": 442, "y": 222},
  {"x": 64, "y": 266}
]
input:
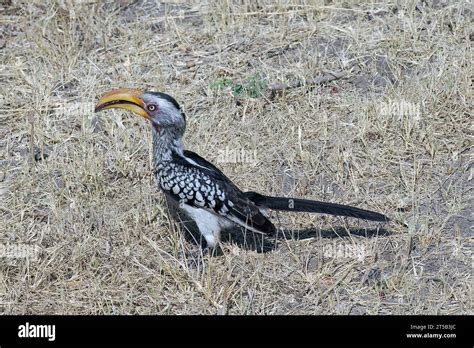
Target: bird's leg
[
  {"x": 202, "y": 252},
  {"x": 196, "y": 258}
]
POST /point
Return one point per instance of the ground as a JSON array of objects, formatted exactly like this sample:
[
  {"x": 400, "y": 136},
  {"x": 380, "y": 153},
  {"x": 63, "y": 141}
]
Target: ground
[{"x": 84, "y": 231}]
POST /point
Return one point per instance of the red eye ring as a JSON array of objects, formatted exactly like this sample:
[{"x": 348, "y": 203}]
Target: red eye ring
[{"x": 151, "y": 107}]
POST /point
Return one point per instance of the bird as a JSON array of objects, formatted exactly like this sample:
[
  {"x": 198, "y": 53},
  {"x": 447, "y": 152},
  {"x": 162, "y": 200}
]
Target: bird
[{"x": 200, "y": 190}]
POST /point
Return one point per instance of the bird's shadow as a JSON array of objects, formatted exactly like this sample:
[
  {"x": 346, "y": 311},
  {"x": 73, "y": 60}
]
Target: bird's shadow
[
  {"x": 263, "y": 243},
  {"x": 248, "y": 240}
]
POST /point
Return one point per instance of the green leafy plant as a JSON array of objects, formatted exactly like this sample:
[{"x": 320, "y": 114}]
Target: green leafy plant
[{"x": 250, "y": 88}]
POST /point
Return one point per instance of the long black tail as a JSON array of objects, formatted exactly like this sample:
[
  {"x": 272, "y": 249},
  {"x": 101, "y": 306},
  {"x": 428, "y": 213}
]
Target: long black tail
[{"x": 309, "y": 206}]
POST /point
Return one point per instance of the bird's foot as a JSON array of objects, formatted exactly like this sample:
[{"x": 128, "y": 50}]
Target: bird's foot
[{"x": 195, "y": 259}]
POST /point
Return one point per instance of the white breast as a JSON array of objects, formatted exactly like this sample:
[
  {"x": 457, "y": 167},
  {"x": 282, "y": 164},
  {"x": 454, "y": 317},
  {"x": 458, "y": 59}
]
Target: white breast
[{"x": 209, "y": 224}]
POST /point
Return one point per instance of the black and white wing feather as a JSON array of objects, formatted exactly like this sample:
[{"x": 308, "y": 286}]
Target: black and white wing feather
[{"x": 192, "y": 180}]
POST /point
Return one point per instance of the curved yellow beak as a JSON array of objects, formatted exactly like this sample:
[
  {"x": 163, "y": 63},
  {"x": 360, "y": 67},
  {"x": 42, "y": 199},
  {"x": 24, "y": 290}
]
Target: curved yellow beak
[{"x": 123, "y": 98}]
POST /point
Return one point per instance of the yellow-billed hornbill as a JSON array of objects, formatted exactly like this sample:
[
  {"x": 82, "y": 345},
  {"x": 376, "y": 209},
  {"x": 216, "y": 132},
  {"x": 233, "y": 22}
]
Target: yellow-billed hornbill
[{"x": 202, "y": 191}]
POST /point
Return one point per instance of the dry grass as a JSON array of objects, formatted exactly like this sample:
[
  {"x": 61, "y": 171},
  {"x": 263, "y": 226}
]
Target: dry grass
[{"x": 79, "y": 186}]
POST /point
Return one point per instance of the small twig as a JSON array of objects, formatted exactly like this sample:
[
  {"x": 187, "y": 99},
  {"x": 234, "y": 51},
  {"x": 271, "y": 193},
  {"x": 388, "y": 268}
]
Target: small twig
[
  {"x": 31, "y": 119},
  {"x": 316, "y": 81},
  {"x": 341, "y": 278}
]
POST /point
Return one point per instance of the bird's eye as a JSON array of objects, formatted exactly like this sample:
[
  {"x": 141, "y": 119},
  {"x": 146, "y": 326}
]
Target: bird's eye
[{"x": 151, "y": 107}]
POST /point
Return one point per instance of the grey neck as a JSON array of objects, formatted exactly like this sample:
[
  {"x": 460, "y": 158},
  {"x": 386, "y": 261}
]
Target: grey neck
[{"x": 166, "y": 141}]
